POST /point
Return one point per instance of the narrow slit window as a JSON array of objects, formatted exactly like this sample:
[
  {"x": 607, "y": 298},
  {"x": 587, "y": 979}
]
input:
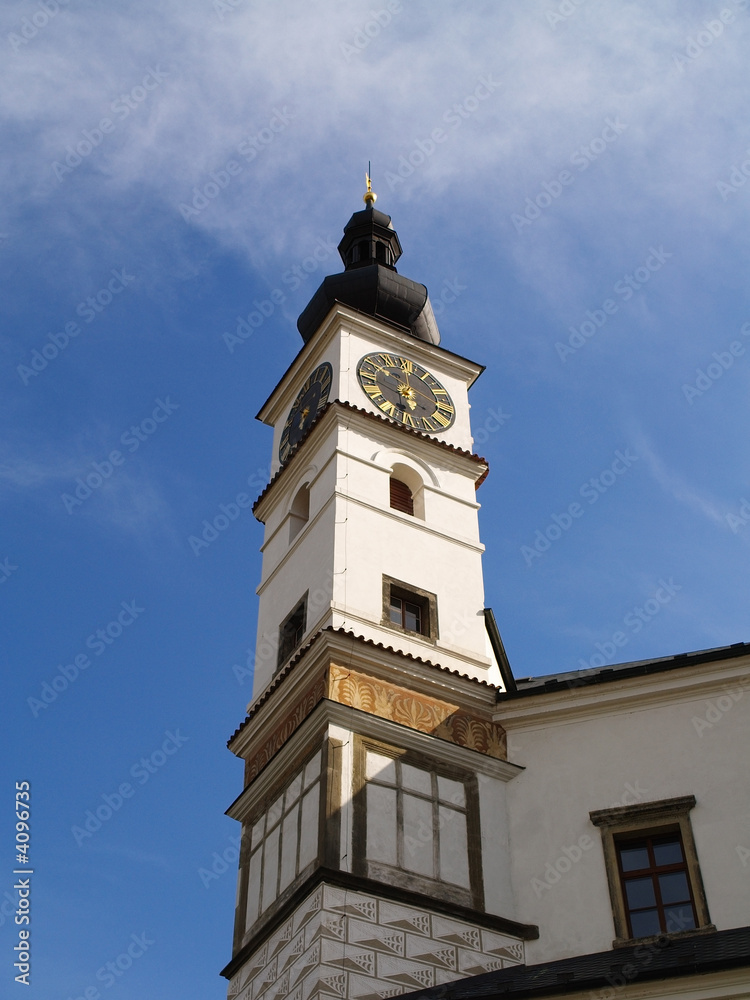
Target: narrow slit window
[{"x": 291, "y": 631}]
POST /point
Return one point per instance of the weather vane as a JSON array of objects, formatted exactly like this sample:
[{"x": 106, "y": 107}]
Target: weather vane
[{"x": 369, "y": 197}]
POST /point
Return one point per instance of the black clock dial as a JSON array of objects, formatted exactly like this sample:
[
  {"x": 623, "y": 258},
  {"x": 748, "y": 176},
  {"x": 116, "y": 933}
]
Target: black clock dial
[
  {"x": 311, "y": 399},
  {"x": 405, "y": 391}
]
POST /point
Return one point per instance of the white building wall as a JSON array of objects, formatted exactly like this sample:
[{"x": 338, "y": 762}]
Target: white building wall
[
  {"x": 353, "y": 538},
  {"x": 498, "y": 888},
  {"x": 638, "y": 753},
  {"x": 343, "y": 341}
]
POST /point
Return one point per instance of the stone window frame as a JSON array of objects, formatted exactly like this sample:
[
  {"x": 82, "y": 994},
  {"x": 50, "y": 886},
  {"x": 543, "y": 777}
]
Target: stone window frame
[
  {"x": 426, "y": 600},
  {"x": 472, "y": 897},
  {"x": 650, "y": 819}
]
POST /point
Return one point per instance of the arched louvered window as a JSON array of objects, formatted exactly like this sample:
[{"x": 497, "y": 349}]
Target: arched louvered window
[{"x": 401, "y": 497}]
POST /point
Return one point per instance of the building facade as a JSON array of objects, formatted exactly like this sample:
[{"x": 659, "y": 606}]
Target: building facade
[{"x": 413, "y": 817}]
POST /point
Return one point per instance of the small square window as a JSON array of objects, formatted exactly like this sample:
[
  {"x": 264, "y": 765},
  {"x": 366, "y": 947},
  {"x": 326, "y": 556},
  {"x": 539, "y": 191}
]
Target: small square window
[{"x": 409, "y": 609}]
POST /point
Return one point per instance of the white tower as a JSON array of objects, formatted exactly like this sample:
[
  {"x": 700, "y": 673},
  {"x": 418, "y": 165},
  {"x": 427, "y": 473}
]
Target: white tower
[{"x": 375, "y": 855}]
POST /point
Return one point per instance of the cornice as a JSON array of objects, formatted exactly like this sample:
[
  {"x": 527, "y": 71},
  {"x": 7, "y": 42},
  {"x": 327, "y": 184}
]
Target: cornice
[
  {"x": 358, "y": 883},
  {"x": 351, "y": 719},
  {"x": 462, "y": 367},
  {"x": 424, "y": 676},
  {"x": 632, "y": 688},
  {"x": 338, "y": 404}
]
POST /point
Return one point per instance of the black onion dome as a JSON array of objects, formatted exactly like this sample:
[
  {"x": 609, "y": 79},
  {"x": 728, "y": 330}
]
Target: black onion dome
[{"x": 370, "y": 282}]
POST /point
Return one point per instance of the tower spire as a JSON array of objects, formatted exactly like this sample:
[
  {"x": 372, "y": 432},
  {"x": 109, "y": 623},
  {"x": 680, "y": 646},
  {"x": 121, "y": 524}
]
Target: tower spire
[{"x": 369, "y": 197}]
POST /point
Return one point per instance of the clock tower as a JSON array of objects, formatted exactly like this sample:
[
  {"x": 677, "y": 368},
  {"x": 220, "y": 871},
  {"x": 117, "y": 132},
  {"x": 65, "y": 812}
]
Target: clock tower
[{"x": 375, "y": 848}]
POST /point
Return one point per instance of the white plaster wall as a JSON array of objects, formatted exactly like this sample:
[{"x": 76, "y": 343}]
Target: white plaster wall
[
  {"x": 618, "y": 758},
  {"x": 353, "y": 538},
  {"x": 346, "y": 769},
  {"x": 343, "y": 344},
  {"x": 496, "y": 857},
  {"x": 308, "y": 566},
  {"x": 348, "y": 544}
]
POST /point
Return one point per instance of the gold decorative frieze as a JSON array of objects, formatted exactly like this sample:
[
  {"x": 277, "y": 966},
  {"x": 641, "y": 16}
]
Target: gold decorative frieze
[
  {"x": 418, "y": 711},
  {"x": 291, "y": 721}
]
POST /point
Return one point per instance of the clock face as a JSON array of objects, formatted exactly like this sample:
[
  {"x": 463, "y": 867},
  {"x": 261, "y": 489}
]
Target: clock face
[
  {"x": 406, "y": 392},
  {"x": 310, "y": 401}
]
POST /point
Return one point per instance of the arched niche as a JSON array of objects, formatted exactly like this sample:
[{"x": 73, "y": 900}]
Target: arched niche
[{"x": 299, "y": 511}]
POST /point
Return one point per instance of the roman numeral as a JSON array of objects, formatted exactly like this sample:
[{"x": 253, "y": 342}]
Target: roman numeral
[{"x": 387, "y": 361}]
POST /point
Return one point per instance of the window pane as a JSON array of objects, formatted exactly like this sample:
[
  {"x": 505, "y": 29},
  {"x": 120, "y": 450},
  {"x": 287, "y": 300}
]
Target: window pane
[
  {"x": 396, "y": 611},
  {"x": 381, "y": 824},
  {"x": 253, "y": 888},
  {"x": 645, "y": 924},
  {"x": 292, "y": 792},
  {"x": 674, "y": 888},
  {"x": 308, "y": 848},
  {"x": 274, "y": 813},
  {"x": 640, "y": 892},
  {"x": 634, "y": 858},
  {"x": 288, "y": 848},
  {"x": 418, "y": 835},
  {"x": 381, "y": 767},
  {"x": 454, "y": 852},
  {"x": 312, "y": 769},
  {"x": 451, "y": 791},
  {"x": 415, "y": 779},
  {"x": 258, "y": 829},
  {"x": 679, "y": 918},
  {"x": 270, "y": 867},
  {"x": 668, "y": 852},
  {"x": 412, "y": 617}
]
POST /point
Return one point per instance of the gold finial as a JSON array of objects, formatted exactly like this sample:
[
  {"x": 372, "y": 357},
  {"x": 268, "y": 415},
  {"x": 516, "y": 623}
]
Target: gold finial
[{"x": 369, "y": 197}]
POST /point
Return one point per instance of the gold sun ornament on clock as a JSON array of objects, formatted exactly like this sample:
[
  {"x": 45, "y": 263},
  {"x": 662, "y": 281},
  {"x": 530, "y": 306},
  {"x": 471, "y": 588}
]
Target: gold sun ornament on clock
[{"x": 406, "y": 392}]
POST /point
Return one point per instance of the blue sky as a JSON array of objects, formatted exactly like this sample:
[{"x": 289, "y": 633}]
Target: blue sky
[{"x": 567, "y": 180}]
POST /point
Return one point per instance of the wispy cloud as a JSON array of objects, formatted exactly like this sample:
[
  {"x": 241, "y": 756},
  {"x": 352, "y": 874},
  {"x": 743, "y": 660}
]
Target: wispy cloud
[{"x": 675, "y": 485}]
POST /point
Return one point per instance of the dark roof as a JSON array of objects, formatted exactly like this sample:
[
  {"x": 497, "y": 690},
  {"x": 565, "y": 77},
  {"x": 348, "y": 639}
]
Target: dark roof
[
  {"x": 662, "y": 958},
  {"x": 370, "y": 283},
  {"x": 378, "y": 291},
  {"x": 526, "y": 686}
]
